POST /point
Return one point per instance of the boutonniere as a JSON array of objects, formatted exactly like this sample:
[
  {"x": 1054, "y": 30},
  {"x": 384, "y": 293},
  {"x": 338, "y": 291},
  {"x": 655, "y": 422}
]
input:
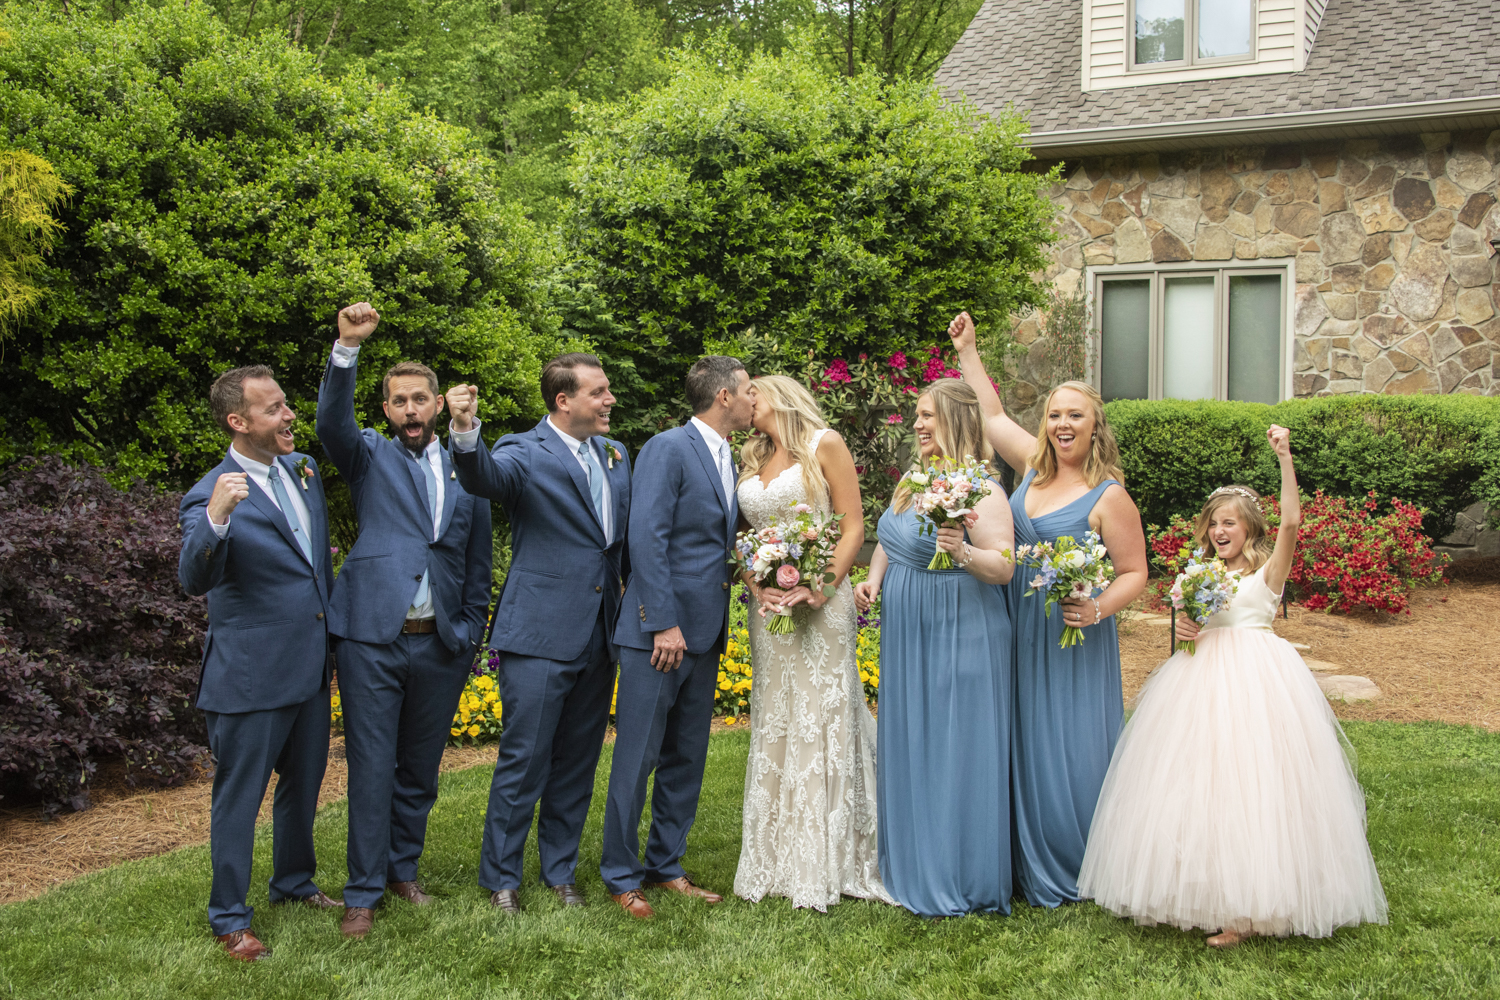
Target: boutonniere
[
  {"x": 613, "y": 454},
  {"x": 303, "y": 472},
  {"x": 453, "y": 475}
]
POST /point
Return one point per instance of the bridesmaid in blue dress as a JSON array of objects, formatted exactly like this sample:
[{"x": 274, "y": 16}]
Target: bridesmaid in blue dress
[
  {"x": 1068, "y": 704},
  {"x": 942, "y": 770}
]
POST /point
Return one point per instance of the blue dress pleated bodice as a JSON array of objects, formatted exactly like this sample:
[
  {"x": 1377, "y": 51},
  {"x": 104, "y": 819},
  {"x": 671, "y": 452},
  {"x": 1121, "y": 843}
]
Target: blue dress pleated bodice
[
  {"x": 943, "y": 745},
  {"x": 1067, "y": 715}
]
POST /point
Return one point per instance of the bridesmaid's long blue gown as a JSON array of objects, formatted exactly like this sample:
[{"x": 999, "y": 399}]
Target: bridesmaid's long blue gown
[
  {"x": 1068, "y": 709},
  {"x": 942, "y": 771}
]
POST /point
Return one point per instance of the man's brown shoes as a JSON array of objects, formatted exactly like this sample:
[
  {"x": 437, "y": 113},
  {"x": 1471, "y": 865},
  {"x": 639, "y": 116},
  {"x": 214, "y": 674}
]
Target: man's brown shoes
[
  {"x": 318, "y": 901},
  {"x": 633, "y": 902},
  {"x": 357, "y": 921},
  {"x": 507, "y": 901},
  {"x": 243, "y": 945},
  {"x": 409, "y": 891},
  {"x": 568, "y": 895},
  {"x": 685, "y": 885}
]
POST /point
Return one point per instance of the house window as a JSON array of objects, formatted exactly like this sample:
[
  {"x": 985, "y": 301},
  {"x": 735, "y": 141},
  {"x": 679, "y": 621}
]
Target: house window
[
  {"x": 1192, "y": 334},
  {"x": 1192, "y": 32}
]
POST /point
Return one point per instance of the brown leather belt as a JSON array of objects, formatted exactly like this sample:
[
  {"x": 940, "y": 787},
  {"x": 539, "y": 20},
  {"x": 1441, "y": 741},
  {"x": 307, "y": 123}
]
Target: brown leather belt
[{"x": 419, "y": 626}]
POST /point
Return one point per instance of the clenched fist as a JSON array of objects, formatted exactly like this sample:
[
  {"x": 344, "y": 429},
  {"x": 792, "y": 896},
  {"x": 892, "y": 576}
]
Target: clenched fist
[
  {"x": 1281, "y": 440},
  {"x": 357, "y": 322},
  {"x": 231, "y": 488},
  {"x": 962, "y": 332},
  {"x": 463, "y": 403}
]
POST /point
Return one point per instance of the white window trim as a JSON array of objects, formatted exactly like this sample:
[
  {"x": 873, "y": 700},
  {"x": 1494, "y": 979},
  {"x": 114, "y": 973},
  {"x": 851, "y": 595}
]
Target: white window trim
[
  {"x": 1285, "y": 266},
  {"x": 1190, "y": 59}
]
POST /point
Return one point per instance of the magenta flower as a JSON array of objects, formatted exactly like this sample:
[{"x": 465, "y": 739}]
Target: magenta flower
[
  {"x": 898, "y": 361},
  {"x": 837, "y": 372},
  {"x": 864, "y": 357},
  {"x": 894, "y": 418},
  {"x": 955, "y": 373},
  {"x": 933, "y": 371}
]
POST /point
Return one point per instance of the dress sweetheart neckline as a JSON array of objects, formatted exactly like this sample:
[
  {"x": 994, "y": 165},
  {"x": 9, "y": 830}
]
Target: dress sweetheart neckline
[{"x": 756, "y": 477}]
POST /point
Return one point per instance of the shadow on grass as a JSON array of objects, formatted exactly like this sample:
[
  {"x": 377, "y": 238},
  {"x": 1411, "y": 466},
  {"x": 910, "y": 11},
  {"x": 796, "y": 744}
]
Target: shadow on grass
[{"x": 139, "y": 929}]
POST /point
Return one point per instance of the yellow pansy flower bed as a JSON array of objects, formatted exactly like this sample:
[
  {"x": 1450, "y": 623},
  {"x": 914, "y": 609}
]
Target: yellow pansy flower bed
[{"x": 478, "y": 717}]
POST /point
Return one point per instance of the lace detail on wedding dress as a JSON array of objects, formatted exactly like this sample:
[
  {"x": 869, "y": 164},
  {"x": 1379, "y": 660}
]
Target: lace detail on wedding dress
[{"x": 809, "y": 819}]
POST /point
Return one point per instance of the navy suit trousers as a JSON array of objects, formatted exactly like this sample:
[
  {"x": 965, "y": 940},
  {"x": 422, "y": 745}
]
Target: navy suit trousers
[
  {"x": 662, "y": 722},
  {"x": 555, "y": 714},
  {"x": 247, "y": 747},
  {"x": 399, "y": 699}
]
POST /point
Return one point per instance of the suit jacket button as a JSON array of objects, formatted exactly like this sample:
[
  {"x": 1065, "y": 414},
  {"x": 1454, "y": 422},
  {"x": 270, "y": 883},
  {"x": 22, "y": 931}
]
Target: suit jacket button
[
  {"x": 598, "y": 590},
  {"x": 320, "y": 616},
  {"x": 417, "y": 577},
  {"x": 726, "y": 585}
]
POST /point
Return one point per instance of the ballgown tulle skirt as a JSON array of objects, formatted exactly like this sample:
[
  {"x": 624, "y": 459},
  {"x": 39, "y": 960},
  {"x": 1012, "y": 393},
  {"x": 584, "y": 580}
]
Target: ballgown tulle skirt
[{"x": 1231, "y": 800}]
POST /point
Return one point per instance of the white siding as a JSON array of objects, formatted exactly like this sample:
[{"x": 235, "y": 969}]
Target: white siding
[{"x": 1314, "y": 17}]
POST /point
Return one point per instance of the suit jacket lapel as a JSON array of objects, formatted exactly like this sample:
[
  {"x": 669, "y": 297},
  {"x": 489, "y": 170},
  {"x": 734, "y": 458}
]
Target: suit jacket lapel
[
  {"x": 450, "y": 492},
  {"x": 709, "y": 465},
  {"x": 619, "y": 488},
  {"x": 261, "y": 501},
  {"x": 554, "y": 444},
  {"x": 418, "y": 481}
]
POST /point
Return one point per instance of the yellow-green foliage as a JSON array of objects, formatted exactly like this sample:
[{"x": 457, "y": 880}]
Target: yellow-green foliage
[{"x": 30, "y": 191}]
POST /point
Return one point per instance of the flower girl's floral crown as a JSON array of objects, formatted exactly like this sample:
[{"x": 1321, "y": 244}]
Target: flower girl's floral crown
[{"x": 1233, "y": 489}]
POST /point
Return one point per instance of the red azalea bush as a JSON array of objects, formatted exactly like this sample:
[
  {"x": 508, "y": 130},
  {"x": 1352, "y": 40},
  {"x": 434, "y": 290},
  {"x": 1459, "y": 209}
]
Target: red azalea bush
[
  {"x": 99, "y": 647},
  {"x": 1348, "y": 555}
]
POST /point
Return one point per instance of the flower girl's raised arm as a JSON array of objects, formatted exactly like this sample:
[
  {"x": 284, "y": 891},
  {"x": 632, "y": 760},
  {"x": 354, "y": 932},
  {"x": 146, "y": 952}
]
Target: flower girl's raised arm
[{"x": 1280, "y": 563}]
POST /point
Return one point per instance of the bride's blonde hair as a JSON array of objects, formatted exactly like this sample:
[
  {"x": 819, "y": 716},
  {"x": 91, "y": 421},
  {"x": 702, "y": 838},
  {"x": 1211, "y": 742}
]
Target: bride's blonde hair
[{"x": 797, "y": 419}]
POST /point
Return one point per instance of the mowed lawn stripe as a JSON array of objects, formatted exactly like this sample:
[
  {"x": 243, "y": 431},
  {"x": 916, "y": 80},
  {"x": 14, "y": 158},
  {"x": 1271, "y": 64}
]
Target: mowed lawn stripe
[{"x": 139, "y": 930}]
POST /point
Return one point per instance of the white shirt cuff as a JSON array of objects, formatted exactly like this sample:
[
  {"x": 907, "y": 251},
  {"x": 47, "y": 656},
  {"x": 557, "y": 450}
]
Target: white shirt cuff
[
  {"x": 221, "y": 530},
  {"x": 343, "y": 357},
  {"x": 464, "y": 440}
]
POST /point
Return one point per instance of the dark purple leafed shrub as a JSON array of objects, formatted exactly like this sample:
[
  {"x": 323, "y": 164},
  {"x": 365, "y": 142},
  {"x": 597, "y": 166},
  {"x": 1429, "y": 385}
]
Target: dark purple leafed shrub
[{"x": 99, "y": 647}]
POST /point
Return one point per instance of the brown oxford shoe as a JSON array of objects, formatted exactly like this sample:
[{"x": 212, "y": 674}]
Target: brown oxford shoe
[
  {"x": 633, "y": 902},
  {"x": 357, "y": 921},
  {"x": 685, "y": 886},
  {"x": 243, "y": 945},
  {"x": 568, "y": 894},
  {"x": 507, "y": 901},
  {"x": 318, "y": 901},
  {"x": 409, "y": 891}
]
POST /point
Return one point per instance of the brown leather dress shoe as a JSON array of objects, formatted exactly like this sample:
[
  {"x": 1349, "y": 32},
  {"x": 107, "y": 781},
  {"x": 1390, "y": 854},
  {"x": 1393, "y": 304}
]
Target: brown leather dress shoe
[
  {"x": 568, "y": 894},
  {"x": 409, "y": 891},
  {"x": 685, "y": 885},
  {"x": 318, "y": 901},
  {"x": 507, "y": 901},
  {"x": 243, "y": 945},
  {"x": 633, "y": 902},
  {"x": 357, "y": 921}
]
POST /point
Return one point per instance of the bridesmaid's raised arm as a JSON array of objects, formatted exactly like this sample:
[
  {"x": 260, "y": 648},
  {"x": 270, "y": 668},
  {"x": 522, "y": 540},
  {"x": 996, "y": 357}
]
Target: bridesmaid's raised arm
[{"x": 1010, "y": 440}]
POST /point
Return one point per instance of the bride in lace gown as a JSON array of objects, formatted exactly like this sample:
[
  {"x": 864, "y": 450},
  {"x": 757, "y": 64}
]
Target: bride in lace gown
[{"x": 809, "y": 821}]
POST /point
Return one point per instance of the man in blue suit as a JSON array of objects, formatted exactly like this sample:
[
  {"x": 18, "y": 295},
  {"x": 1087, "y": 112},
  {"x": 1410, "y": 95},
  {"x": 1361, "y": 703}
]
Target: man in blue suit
[
  {"x": 566, "y": 489},
  {"x": 409, "y": 610},
  {"x": 671, "y": 631},
  {"x": 255, "y": 540}
]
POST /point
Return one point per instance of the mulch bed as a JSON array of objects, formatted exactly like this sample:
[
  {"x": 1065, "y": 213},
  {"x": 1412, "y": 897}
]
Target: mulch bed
[{"x": 1441, "y": 662}]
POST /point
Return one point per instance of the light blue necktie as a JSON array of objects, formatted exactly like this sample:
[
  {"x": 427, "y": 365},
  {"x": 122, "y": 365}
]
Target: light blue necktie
[
  {"x": 278, "y": 490},
  {"x": 427, "y": 473},
  {"x": 596, "y": 478}
]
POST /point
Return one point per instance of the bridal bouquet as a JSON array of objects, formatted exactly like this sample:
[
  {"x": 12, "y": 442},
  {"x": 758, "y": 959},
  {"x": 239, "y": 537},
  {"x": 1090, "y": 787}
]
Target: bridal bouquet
[
  {"x": 1067, "y": 569},
  {"x": 1202, "y": 590},
  {"x": 793, "y": 549},
  {"x": 942, "y": 496}
]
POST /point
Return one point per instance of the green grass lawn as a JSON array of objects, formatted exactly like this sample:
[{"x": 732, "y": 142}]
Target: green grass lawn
[{"x": 139, "y": 930}]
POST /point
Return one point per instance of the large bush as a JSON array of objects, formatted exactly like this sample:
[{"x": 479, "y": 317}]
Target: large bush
[
  {"x": 99, "y": 648},
  {"x": 1428, "y": 450},
  {"x": 831, "y": 214},
  {"x": 229, "y": 199}
]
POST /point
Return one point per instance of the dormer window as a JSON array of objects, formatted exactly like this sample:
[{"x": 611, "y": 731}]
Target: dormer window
[{"x": 1169, "y": 34}]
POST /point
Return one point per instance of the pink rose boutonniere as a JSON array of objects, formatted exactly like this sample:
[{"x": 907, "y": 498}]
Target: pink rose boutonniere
[{"x": 303, "y": 472}]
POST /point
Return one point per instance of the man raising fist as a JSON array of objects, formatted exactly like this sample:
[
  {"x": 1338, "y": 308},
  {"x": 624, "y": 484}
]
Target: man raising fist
[{"x": 255, "y": 540}]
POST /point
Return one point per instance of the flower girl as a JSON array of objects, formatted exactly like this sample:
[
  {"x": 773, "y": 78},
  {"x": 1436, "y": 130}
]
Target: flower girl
[{"x": 1230, "y": 804}]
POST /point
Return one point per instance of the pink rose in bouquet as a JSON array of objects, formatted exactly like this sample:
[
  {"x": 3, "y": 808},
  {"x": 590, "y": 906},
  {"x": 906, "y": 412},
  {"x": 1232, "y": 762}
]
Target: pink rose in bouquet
[
  {"x": 794, "y": 548},
  {"x": 787, "y": 576}
]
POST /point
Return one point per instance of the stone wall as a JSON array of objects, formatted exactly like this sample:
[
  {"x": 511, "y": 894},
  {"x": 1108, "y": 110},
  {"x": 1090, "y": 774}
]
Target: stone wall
[{"x": 1395, "y": 287}]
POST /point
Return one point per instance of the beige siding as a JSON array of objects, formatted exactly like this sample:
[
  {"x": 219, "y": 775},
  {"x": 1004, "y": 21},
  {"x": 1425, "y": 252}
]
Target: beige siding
[
  {"x": 1281, "y": 27},
  {"x": 1313, "y": 18}
]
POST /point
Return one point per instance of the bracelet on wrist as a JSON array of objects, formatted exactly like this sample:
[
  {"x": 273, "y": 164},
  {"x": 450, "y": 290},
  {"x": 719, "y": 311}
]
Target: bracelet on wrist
[{"x": 968, "y": 556}]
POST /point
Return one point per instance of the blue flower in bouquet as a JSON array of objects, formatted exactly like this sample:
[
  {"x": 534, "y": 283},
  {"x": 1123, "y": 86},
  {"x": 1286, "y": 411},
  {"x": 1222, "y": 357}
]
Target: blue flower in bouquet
[
  {"x": 1211, "y": 584},
  {"x": 1065, "y": 568}
]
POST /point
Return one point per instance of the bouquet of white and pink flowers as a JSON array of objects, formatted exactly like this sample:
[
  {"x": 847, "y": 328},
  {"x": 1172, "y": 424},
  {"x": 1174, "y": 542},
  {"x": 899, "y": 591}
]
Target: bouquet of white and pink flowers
[
  {"x": 942, "y": 495},
  {"x": 793, "y": 549},
  {"x": 1067, "y": 569},
  {"x": 1202, "y": 590}
]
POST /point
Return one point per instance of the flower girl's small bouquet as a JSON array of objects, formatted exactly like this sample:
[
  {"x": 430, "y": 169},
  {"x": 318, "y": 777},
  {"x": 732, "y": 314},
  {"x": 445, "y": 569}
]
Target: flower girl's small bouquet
[
  {"x": 1067, "y": 569},
  {"x": 1202, "y": 590},
  {"x": 794, "y": 548},
  {"x": 942, "y": 496}
]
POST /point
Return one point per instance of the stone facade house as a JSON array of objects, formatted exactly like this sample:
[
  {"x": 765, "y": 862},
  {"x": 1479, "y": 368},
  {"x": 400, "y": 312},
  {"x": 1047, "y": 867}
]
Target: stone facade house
[{"x": 1261, "y": 199}]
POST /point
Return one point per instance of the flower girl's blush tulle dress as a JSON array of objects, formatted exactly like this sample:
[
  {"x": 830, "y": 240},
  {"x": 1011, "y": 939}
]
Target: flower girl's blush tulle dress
[{"x": 1231, "y": 802}]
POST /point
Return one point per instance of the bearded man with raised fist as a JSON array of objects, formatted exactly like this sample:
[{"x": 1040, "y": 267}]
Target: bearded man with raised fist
[
  {"x": 409, "y": 610},
  {"x": 255, "y": 541}
]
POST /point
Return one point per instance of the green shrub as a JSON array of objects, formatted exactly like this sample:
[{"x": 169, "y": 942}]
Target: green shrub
[{"x": 1437, "y": 452}]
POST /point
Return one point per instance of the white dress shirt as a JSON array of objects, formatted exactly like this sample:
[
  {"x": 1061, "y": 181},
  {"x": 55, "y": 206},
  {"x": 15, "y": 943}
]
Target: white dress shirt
[
  {"x": 433, "y": 456},
  {"x": 719, "y": 449},
  {"x": 260, "y": 474}
]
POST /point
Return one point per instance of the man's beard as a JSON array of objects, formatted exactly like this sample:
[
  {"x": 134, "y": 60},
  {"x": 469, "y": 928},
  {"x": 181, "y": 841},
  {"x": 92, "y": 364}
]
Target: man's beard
[{"x": 423, "y": 441}]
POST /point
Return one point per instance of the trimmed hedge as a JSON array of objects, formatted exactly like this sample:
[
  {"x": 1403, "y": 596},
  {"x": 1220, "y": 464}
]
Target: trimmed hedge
[{"x": 1441, "y": 453}]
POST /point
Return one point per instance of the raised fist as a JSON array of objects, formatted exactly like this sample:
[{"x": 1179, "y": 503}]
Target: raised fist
[
  {"x": 231, "y": 488},
  {"x": 463, "y": 403},
  {"x": 1281, "y": 440},
  {"x": 962, "y": 332},
  {"x": 357, "y": 322}
]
